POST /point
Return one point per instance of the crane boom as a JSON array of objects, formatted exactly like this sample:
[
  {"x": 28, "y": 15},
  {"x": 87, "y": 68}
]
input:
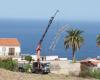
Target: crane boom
[
  {"x": 49, "y": 24},
  {"x": 38, "y": 49}
]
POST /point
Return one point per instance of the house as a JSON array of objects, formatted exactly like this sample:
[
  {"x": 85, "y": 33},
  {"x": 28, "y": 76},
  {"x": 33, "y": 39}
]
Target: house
[
  {"x": 90, "y": 64},
  {"x": 9, "y": 47}
]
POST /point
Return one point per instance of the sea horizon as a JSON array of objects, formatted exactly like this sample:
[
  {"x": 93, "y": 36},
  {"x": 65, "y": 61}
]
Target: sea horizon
[{"x": 29, "y": 33}]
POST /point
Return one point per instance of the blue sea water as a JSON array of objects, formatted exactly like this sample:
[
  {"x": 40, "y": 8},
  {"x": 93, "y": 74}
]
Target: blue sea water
[{"x": 29, "y": 32}]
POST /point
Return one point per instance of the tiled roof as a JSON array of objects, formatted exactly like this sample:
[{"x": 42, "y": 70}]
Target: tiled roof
[
  {"x": 9, "y": 42},
  {"x": 91, "y": 62}
]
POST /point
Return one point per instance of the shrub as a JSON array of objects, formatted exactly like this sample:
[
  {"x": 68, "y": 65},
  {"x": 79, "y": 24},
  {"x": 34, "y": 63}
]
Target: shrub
[
  {"x": 27, "y": 67},
  {"x": 8, "y": 64},
  {"x": 95, "y": 74},
  {"x": 28, "y": 58},
  {"x": 91, "y": 73}
]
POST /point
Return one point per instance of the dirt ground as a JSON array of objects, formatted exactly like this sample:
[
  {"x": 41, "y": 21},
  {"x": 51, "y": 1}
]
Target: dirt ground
[{"x": 9, "y": 75}]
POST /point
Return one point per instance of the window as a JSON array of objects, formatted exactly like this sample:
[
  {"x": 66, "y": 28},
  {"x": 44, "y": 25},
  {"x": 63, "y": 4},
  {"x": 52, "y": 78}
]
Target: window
[
  {"x": 11, "y": 51},
  {"x": 3, "y": 49}
]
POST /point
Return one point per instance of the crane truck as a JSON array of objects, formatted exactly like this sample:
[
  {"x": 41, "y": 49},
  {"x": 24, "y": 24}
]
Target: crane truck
[{"x": 38, "y": 66}]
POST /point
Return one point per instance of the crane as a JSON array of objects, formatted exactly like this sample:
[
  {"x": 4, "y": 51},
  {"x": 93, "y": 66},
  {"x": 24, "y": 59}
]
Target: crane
[
  {"x": 58, "y": 35},
  {"x": 38, "y": 49}
]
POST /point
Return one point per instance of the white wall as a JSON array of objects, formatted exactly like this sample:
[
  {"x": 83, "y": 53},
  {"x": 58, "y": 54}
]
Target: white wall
[
  {"x": 63, "y": 59},
  {"x": 4, "y": 50},
  {"x": 51, "y": 57},
  {"x": 48, "y": 58}
]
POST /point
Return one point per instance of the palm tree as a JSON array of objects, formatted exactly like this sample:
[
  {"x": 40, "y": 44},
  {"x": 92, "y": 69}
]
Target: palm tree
[
  {"x": 98, "y": 40},
  {"x": 74, "y": 40}
]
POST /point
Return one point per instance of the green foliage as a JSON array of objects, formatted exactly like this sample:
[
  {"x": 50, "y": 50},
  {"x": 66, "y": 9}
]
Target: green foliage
[
  {"x": 91, "y": 73},
  {"x": 8, "y": 64},
  {"x": 27, "y": 67},
  {"x": 98, "y": 40},
  {"x": 28, "y": 58},
  {"x": 74, "y": 40}
]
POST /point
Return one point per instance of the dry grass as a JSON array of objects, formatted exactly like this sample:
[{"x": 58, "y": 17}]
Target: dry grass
[{"x": 9, "y": 75}]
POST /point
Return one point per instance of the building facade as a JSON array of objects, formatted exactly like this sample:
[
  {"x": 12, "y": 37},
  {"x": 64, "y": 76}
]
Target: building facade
[{"x": 9, "y": 47}]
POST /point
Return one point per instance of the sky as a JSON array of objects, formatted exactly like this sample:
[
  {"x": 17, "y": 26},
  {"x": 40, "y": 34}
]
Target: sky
[{"x": 80, "y": 10}]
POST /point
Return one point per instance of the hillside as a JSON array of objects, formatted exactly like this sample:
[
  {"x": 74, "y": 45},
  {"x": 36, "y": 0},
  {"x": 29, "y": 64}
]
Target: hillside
[{"x": 9, "y": 75}]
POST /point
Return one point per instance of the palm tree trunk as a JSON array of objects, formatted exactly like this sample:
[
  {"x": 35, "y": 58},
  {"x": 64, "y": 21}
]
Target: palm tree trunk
[
  {"x": 73, "y": 56},
  {"x": 73, "y": 60}
]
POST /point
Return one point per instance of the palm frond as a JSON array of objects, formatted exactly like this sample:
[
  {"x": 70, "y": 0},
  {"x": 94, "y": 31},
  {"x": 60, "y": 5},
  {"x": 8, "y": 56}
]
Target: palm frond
[
  {"x": 74, "y": 37},
  {"x": 98, "y": 40}
]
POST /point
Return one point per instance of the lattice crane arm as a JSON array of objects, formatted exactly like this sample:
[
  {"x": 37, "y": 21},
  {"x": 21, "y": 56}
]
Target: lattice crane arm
[{"x": 58, "y": 35}]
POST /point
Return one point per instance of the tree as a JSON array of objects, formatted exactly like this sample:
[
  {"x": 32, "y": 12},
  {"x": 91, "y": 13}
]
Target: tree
[
  {"x": 98, "y": 40},
  {"x": 73, "y": 40},
  {"x": 28, "y": 58}
]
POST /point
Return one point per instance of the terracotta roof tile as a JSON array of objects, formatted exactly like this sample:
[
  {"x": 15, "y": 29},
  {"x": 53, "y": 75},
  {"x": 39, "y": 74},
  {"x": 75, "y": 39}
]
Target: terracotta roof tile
[{"x": 9, "y": 42}]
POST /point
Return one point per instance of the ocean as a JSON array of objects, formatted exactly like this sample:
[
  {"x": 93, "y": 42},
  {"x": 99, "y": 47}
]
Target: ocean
[{"x": 29, "y": 33}]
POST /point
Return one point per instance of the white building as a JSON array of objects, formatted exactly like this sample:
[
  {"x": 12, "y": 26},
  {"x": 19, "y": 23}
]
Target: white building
[
  {"x": 63, "y": 59},
  {"x": 9, "y": 47},
  {"x": 34, "y": 57},
  {"x": 50, "y": 58},
  {"x": 47, "y": 58}
]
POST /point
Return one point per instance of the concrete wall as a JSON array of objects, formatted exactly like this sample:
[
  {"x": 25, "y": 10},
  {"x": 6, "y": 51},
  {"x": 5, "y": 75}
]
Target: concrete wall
[
  {"x": 4, "y": 50},
  {"x": 63, "y": 67}
]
